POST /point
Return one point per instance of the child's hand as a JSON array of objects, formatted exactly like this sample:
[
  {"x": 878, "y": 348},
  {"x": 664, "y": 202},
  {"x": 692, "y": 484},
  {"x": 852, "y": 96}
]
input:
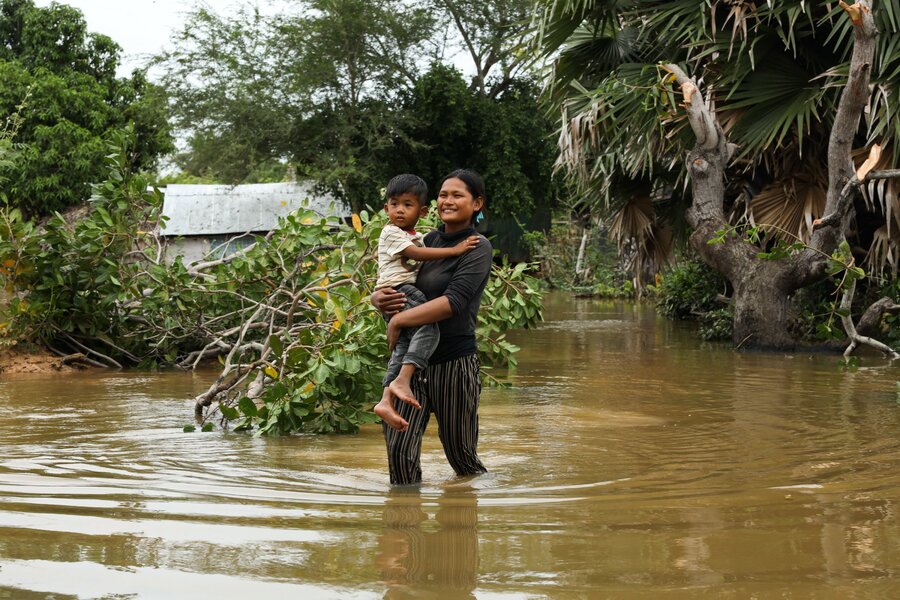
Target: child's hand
[
  {"x": 465, "y": 245},
  {"x": 393, "y": 334}
]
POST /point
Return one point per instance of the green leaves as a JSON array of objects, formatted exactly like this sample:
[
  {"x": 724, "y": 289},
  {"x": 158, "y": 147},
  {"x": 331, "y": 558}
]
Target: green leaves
[
  {"x": 690, "y": 289},
  {"x": 512, "y": 300},
  {"x": 247, "y": 407},
  {"x": 61, "y": 79},
  {"x": 72, "y": 277}
]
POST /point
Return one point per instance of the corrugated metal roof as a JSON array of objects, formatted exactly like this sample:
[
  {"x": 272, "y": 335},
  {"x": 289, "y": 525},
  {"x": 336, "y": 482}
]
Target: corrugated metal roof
[{"x": 200, "y": 209}]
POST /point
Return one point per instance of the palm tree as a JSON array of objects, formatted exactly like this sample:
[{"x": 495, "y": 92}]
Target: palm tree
[{"x": 767, "y": 96}]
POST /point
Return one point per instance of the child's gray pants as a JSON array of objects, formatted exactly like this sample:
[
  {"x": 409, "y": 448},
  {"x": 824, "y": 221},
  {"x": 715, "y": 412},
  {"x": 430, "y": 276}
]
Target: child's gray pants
[{"x": 416, "y": 344}]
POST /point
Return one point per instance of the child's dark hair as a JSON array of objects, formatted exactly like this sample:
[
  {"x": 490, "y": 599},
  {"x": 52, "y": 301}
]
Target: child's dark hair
[
  {"x": 408, "y": 184},
  {"x": 474, "y": 184}
]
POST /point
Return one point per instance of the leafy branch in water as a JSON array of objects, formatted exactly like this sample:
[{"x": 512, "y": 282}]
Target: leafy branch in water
[{"x": 288, "y": 318}]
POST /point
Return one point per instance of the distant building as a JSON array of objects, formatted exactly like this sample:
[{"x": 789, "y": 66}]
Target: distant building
[{"x": 216, "y": 220}]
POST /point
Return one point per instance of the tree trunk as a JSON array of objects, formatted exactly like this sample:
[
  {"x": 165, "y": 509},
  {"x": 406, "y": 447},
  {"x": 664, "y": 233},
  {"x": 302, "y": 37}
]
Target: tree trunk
[
  {"x": 762, "y": 311},
  {"x": 579, "y": 262}
]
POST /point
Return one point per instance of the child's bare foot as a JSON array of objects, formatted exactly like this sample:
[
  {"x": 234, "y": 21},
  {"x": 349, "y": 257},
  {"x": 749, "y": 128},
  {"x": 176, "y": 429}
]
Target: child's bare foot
[
  {"x": 385, "y": 410},
  {"x": 402, "y": 391}
]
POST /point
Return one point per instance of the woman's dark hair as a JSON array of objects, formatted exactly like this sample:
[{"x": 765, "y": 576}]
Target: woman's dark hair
[{"x": 474, "y": 185}]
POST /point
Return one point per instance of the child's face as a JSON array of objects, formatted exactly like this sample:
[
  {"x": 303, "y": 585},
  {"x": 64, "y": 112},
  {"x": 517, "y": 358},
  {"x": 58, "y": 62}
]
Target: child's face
[{"x": 404, "y": 210}]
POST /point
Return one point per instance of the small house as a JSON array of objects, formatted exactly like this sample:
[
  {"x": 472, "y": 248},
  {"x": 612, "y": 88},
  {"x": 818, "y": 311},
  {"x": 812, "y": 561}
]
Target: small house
[{"x": 216, "y": 220}]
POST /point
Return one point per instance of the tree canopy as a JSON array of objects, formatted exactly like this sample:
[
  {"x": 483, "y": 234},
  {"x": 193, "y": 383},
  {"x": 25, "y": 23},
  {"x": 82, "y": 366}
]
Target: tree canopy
[
  {"x": 351, "y": 92},
  {"x": 60, "y": 80},
  {"x": 774, "y": 72},
  {"x": 771, "y": 103}
]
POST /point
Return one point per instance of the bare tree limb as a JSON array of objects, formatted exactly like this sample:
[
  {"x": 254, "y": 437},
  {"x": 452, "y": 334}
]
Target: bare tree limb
[
  {"x": 886, "y": 174},
  {"x": 702, "y": 121},
  {"x": 706, "y": 165},
  {"x": 78, "y": 356},
  {"x": 855, "y": 338},
  {"x": 846, "y": 122},
  {"x": 109, "y": 361},
  {"x": 198, "y": 268}
]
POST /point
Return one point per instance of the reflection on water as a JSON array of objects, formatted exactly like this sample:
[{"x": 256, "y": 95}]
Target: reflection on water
[
  {"x": 420, "y": 556},
  {"x": 627, "y": 460}
]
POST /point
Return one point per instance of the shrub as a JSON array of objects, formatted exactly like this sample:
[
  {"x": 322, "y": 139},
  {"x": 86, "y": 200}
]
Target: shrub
[{"x": 690, "y": 290}]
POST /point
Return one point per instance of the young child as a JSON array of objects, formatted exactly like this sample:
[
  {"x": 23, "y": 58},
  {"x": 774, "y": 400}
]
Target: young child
[{"x": 398, "y": 246}]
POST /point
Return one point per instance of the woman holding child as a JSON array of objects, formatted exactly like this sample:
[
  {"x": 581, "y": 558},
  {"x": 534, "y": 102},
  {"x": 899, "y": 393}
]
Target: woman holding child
[{"x": 449, "y": 385}]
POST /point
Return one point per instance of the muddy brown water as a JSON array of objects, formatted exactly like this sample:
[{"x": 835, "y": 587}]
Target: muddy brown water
[{"x": 628, "y": 460}]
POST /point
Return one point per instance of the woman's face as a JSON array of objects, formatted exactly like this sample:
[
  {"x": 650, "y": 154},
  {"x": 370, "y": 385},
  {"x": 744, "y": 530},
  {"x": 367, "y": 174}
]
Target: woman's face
[{"x": 456, "y": 206}]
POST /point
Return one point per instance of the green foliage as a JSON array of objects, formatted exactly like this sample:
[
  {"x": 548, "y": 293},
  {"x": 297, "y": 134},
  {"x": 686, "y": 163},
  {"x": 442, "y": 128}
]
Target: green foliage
[
  {"x": 512, "y": 300},
  {"x": 506, "y": 139},
  {"x": 61, "y": 80},
  {"x": 288, "y": 317},
  {"x": 68, "y": 278},
  {"x": 815, "y": 311},
  {"x": 850, "y": 363},
  {"x": 490, "y": 32},
  {"x": 717, "y": 324},
  {"x": 771, "y": 247},
  {"x": 557, "y": 250},
  {"x": 313, "y": 86},
  {"x": 689, "y": 290}
]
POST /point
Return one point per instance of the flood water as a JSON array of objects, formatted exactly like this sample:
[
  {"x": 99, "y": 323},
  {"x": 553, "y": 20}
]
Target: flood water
[{"x": 628, "y": 460}]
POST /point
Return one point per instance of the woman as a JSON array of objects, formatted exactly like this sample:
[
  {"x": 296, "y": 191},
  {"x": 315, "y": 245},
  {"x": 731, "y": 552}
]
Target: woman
[{"x": 450, "y": 386}]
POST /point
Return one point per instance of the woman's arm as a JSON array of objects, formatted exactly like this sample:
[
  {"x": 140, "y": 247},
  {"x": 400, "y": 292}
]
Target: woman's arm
[{"x": 430, "y": 312}]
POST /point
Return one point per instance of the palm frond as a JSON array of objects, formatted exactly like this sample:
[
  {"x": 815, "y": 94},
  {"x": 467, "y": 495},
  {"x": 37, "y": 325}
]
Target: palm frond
[
  {"x": 636, "y": 232},
  {"x": 589, "y": 56},
  {"x": 884, "y": 253},
  {"x": 775, "y": 101},
  {"x": 790, "y": 205},
  {"x": 882, "y": 196}
]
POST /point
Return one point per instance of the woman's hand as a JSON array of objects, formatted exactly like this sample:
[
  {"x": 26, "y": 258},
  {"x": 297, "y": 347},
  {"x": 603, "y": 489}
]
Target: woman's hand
[{"x": 388, "y": 301}]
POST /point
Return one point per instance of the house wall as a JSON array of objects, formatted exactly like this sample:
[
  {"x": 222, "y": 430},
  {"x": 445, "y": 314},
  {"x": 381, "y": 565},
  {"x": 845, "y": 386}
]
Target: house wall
[{"x": 197, "y": 248}]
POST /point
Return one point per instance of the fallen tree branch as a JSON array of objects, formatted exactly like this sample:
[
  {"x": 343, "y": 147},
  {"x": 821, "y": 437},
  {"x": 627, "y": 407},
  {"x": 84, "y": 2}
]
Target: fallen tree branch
[
  {"x": 109, "y": 360},
  {"x": 855, "y": 338},
  {"x": 78, "y": 356},
  {"x": 885, "y": 174},
  {"x": 197, "y": 268}
]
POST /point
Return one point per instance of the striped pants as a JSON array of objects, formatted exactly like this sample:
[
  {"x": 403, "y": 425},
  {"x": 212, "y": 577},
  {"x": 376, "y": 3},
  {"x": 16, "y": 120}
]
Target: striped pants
[{"x": 451, "y": 391}]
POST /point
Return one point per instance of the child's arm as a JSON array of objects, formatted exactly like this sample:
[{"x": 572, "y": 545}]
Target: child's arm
[{"x": 420, "y": 253}]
